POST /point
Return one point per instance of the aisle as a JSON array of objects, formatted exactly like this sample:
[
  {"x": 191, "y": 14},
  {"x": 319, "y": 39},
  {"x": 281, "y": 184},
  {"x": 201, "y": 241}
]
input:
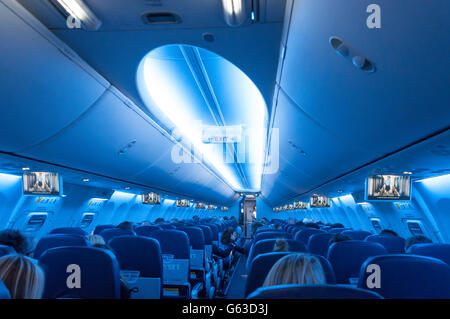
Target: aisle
[{"x": 237, "y": 286}]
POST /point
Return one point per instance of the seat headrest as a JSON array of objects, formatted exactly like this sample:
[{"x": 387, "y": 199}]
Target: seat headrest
[
  {"x": 110, "y": 233},
  {"x": 270, "y": 235},
  {"x": 312, "y": 292},
  {"x": 69, "y": 231},
  {"x": 207, "y": 233},
  {"x": 439, "y": 251},
  {"x": 146, "y": 230},
  {"x": 304, "y": 234},
  {"x": 407, "y": 276},
  {"x": 99, "y": 228},
  {"x": 97, "y": 268},
  {"x": 173, "y": 242},
  {"x": 58, "y": 240},
  {"x": 393, "y": 244},
  {"x": 318, "y": 243},
  {"x": 356, "y": 234},
  {"x": 196, "y": 237},
  {"x": 138, "y": 253}
]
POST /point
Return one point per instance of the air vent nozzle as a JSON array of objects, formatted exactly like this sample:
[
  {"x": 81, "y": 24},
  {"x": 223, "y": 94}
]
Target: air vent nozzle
[{"x": 153, "y": 18}]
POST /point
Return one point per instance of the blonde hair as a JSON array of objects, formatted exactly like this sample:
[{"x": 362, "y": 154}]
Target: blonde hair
[
  {"x": 296, "y": 269},
  {"x": 23, "y": 278},
  {"x": 96, "y": 239},
  {"x": 281, "y": 245}
]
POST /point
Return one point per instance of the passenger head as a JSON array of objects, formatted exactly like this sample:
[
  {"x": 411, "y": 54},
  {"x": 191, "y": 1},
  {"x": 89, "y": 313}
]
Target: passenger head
[
  {"x": 96, "y": 239},
  {"x": 228, "y": 236},
  {"x": 23, "y": 278},
  {"x": 276, "y": 226},
  {"x": 125, "y": 226},
  {"x": 146, "y": 223},
  {"x": 15, "y": 239},
  {"x": 281, "y": 244},
  {"x": 416, "y": 240},
  {"x": 159, "y": 220},
  {"x": 296, "y": 269},
  {"x": 388, "y": 232},
  {"x": 337, "y": 225},
  {"x": 337, "y": 238},
  {"x": 312, "y": 225},
  {"x": 102, "y": 246}
]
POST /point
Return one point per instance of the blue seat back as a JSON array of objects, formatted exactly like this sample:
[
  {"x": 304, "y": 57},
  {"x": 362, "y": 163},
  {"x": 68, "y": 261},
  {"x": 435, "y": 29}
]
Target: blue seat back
[
  {"x": 6, "y": 250},
  {"x": 110, "y": 233},
  {"x": 196, "y": 237},
  {"x": 313, "y": 292},
  {"x": 99, "y": 273},
  {"x": 393, "y": 244},
  {"x": 336, "y": 230},
  {"x": 4, "y": 292},
  {"x": 138, "y": 253},
  {"x": 146, "y": 230},
  {"x": 304, "y": 234},
  {"x": 173, "y": 242},
  {"x": 207, "y": 233},
  {"x": 439, "y": 251},
  {"x": 408, "y": 276},
  {"x": 99, "y": 228},
  {"x": 58, "y": 240},
  {"x": 346, "y": 257},
  {"x": 266, "y": 246},
  {"x": 318, "y": 243},
  {"x": 166, "y": 226},
  {"x": 270, "y": 235},
  {"x": 69, "y": 231},
  {"x": 356, "y": 234}
]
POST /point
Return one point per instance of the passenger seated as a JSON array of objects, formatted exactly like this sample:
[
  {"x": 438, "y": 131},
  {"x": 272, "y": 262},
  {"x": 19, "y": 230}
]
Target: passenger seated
[
  {"x": 312, "y": 225},
  {"x": 96, "y": 239},
  {"x": 23, "y": 278},
  {"x": 337, "y": 238},
  {"x": 296, "y": 269},
  {"x": 388, "y": 232},
  {"x": 15, "y": 239},
  {"x": 280, "y": 245},
  {"x": 126, "y": 226},
  {"x": 337, "y": 225},
  {"x": 416, "y": 240},
  {"x": 159, "y": 220}
]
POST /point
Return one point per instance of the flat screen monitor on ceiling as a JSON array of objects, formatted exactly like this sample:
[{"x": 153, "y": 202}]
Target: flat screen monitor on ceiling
[
  {"x": 151, "y": 199},
  {"x": 320, "y": 201},
  {"x": 41, "y": 183},
  {"x": 388, "y": 187}
]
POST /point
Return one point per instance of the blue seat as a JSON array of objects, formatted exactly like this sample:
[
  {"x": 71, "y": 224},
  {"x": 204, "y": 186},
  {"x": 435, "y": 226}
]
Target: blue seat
[
  {"x": 167, "y": 226},
  {"x": 143, "y": 254},
  {"x": 4, "y": 292},
  {"x": 175, "y": 251},
  {"x": 393, "y": 244},
  {"x": 196, "y": 236},
  {"x": 356, "y": 234},
  {"x": 408, "y": 276},
  {"x": 146, "y": 230},
  {"x": 266, "y": 246},
  {"x": 439, "y": 251},
  {"x": 318, "y": 243},
  {"x": 337, "y": 230},
  {"x": 270, "y": 235},
  {"x": 313, "y": 292},
  {"x": 99, "y": 228},
  {"x": 346, "y": 257},
  {"x": 110, "y": 233},
  {"x": 99, "y": 273},
  {"x": 69, "y": 231},
  {"x": 6, "y": 250},
  {"x": 58, "y": 240},
  {"x": 262, "y": 264},
  {"x": 304, "y": 234}
]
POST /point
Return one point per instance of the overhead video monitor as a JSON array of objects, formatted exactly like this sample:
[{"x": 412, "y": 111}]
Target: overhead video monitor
[
  {"x": 211, "y": 207},
  {"x": 388, "y": 187},
  {"x": 41, "y": 183},
  {"x": 151, "y": 199},
  {"x": 300, "y": 205},
  {"x": 183, "y": 203},
  {"x": 199, "y": 205},
  {"x": 320, "y": 201},
  {"x": 224, "y": 208}
]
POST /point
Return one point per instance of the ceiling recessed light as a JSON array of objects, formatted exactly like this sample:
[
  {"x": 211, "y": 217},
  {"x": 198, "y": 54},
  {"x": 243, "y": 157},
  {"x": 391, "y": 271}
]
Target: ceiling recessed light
[
  {"x": 127, "y": 187},
  {"x": 85, "y": 179},
  {"x": 25, "y": 168},
  {"x": 407, "y": 173}
]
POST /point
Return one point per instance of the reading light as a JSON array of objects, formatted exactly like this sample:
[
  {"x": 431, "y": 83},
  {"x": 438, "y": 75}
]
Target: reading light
[
  {"x": 79, "y": 10},
  {"x": 407, "y": 173},
  {"x": 237, "y": 12},
  {"x": 25, "y": 168},
  {"x": 85, "y": 179},
  {"x": 127, "y": 188}
]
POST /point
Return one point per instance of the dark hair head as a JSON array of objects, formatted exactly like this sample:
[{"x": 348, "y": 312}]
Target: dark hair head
[
  {"x": 281, "y": 245},
  {"x": 125, "y": 226},
  {"x": 16, "y": 240},
  {"x": 337, "y": 238},
  {"x": 312, "y": 225},
  {"x": 417, "y": 240},
  {"x": 388, "y": 232},
  {"x": 337, "y": 225},
  {"x": 159, "y": 220}
]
